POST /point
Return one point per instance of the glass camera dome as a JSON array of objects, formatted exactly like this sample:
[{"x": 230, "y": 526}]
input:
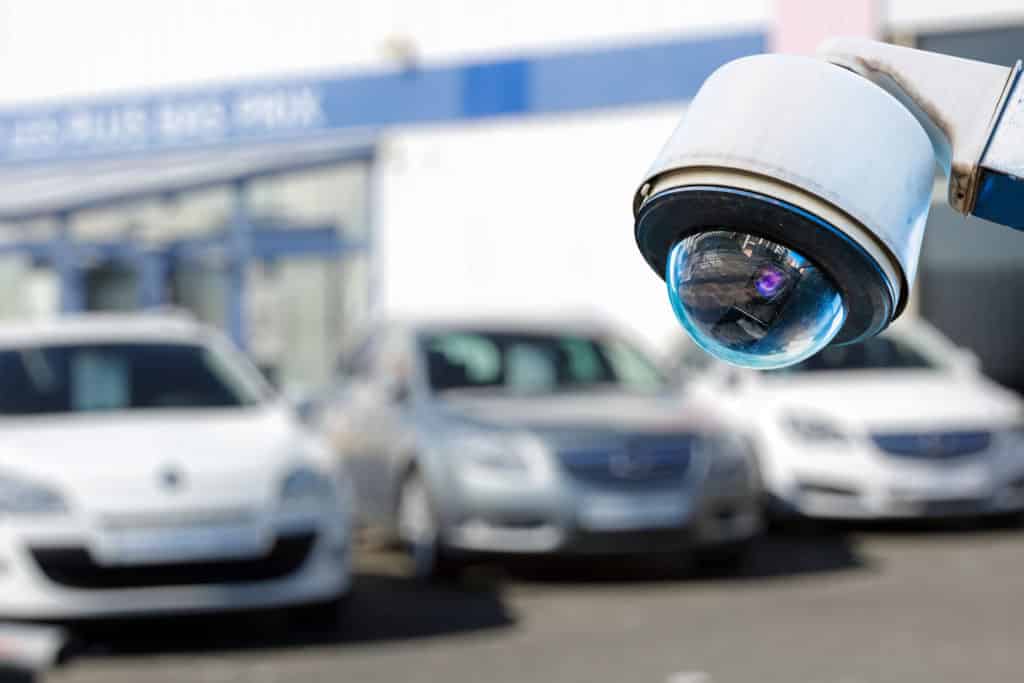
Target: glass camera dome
[{"x": 750, "y": 301}]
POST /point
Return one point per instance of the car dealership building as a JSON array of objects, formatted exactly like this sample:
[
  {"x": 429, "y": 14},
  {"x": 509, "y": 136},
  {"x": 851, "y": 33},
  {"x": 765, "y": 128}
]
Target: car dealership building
[{"x": 288, "y": 171}]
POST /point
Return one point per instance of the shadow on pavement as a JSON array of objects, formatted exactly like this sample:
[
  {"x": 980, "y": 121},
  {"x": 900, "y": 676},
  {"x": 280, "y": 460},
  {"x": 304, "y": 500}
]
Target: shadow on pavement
[
  {"x": 382, "y": 608},
  {"x": 787, "y": 554},
  {"x": 386, "y": 606},
  {"x": 996, "y": 524}
]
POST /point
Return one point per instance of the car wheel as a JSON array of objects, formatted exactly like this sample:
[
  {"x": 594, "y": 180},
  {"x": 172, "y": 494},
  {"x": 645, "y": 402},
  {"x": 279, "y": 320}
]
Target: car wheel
[
  {"x": 419, "y": 532},
  {"x": 324, "y": 615}
]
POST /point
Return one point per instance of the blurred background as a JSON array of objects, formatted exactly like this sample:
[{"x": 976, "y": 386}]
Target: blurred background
[
  {"x": 294, "y": 172},
  {"x": 288, "y": 171}
]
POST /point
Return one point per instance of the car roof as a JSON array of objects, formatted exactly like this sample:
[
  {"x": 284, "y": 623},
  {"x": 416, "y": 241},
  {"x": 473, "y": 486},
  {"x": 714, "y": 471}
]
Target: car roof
[
  {"x": 508, "y": 325},
  {"x": 102, "y": 328},
  {"x": 913, "y": 331}
]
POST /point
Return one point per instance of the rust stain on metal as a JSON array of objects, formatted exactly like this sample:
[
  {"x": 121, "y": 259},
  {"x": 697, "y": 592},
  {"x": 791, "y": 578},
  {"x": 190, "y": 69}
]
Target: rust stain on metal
[{"x": 962, "y": 176}]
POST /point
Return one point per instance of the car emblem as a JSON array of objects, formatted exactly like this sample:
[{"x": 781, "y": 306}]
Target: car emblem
[
  {"x": 171, "y": 479},
  {"x": 627, "y": 465},
  {"x": 931, "y": 444}
]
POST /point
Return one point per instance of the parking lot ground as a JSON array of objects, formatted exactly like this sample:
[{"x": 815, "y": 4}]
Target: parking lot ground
[{"x": 844, "y": 606}]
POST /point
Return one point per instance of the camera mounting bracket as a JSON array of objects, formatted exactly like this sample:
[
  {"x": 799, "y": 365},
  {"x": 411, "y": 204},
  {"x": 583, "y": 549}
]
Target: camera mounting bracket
[{"x": 972, "y": 111}]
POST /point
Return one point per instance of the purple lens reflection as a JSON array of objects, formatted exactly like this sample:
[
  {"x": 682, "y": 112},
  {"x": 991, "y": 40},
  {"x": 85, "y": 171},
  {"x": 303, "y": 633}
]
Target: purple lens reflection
[{"x": 769, "y": 282}]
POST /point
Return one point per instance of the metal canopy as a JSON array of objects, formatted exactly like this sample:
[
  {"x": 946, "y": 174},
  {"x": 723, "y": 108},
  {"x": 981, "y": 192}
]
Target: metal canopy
[{"x": 31, "y": 191}]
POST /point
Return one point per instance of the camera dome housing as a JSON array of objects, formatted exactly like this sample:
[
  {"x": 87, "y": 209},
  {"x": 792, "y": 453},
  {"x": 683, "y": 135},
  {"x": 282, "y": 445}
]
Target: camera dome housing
[
  {"x": 807, "y": 156},
  {"x": 751, "y": 301}
]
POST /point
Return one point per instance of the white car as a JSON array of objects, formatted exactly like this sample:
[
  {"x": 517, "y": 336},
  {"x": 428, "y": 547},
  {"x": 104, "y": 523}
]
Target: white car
[
  {"x": 900, "y": 426},
  {"x": 146, "y": 468}
]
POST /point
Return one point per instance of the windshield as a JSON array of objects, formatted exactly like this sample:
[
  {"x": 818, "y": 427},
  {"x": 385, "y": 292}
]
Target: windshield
[
  {"x": 877, "y": 353},
  {"x": 106, "y": 377},
  {"x": 534, "y": 363}
]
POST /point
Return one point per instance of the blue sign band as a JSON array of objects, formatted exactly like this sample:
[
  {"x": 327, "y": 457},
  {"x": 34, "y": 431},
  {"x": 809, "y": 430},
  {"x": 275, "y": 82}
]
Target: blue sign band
[{"x": 580, "y": 80}]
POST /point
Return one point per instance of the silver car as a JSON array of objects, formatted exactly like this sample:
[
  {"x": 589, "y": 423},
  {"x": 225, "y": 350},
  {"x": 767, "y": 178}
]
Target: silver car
[{"x": 470, "y": 438}]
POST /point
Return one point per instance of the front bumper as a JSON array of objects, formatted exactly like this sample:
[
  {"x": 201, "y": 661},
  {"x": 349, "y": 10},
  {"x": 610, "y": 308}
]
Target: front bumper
[
  {"x": 864, "y": 504},
  {"x": 571, "y": 518},
  {"x": 53, "y": 575},
  {"x": 862, "y": 484}
]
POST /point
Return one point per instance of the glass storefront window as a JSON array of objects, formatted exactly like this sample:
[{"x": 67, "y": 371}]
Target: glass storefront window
[
  {"x": 300, "y": 312},
  {"x": 201, "y": 287},
  {"x": 28, "y": 289},
  {"x": 42, "y": 229},
  {"x": 354, "y": 283},
  {"x": 301, "y": 301},
  {"x": 194, "y": 213},
  {"x": 192, "y": 278},
  {"x": 334, "y": 195}
]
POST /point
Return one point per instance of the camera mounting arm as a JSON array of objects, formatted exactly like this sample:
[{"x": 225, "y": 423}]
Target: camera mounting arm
[{"x": 972, "y": 111}]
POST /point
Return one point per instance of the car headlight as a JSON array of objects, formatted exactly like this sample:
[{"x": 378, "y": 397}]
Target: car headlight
[
  {"x": 815, "y": 430},
  {"x": 490, "y": 453},
  {"x": 21, "y": 497},
  {"x": 503, "y": 455},
  {"x": 304, "y": 485}
]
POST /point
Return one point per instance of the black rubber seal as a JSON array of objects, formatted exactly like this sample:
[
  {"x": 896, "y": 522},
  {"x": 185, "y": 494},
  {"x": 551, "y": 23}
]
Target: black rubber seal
[{"x": 673, "y": 214}]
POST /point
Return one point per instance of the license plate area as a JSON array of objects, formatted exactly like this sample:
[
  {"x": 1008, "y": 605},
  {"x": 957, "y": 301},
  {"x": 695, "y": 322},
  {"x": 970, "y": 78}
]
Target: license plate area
[
  {"x": 621, "y": 512},
  {"x": 952, "y": 483}
]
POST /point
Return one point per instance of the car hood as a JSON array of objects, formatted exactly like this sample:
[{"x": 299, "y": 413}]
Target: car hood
[
  {"x": 596, "y": 411},
  {"x": 895, "y": 400},
  {"x": 127, "y": 461}
]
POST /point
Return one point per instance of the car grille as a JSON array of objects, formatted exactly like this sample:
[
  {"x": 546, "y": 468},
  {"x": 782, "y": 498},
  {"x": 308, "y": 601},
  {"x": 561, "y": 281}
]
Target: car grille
[
  {"x": 73, "y": 566},
  {"x": 933, "y": 445},
  {"x": 637, "y": 459}
]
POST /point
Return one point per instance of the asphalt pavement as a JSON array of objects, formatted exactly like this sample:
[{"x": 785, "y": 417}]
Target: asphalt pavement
[{"x": 839, "y": 606}]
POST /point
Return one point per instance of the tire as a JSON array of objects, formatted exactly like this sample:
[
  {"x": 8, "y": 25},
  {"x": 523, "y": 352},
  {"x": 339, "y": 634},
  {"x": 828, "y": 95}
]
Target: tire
[
  {"x": 323, "y": 615},
  {"x": 419, "y": 532}
]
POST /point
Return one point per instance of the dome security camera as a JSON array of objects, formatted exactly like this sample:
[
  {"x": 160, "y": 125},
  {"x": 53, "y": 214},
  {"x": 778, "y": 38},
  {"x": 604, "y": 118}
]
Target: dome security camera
[{"x": 787, "y": 210}]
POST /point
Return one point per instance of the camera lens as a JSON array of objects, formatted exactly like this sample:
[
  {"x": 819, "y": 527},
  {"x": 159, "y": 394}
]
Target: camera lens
[{"x": 750, "y": 301}]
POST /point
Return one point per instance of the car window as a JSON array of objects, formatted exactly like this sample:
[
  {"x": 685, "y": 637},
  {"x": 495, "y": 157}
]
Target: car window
[
  {"x": 533, "y": 363},
  {"x": 631, "y": 365},
  {"x": 103, "y": 377},
  {"x": 876, "y": 353}
]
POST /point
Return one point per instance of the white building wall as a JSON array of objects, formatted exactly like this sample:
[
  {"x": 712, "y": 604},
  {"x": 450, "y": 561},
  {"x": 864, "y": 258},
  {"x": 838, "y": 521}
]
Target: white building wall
[
  {"x": 522, "y": 216},
  {"x": 56, "y": 49}
]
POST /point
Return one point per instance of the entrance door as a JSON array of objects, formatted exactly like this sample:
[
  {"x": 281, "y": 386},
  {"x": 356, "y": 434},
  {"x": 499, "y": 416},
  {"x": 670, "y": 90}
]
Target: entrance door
[
  {"x": 111, "y": 286},
  {"x": 199, "y": 279},
  {"x": 278, "y": 289},
  {"x": 110, "y": 276}
]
